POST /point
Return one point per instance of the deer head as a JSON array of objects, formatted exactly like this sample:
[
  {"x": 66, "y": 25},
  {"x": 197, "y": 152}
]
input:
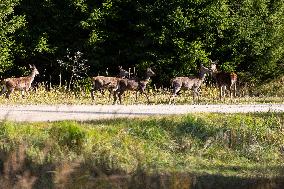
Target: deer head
[
  {"x": 34, "y": 70},
  {"x": 122, "y": 72},
  {"x": 203, "y": 70},
  {"x": 213, "y": 68},
  {"x": 149, "y": 72}
]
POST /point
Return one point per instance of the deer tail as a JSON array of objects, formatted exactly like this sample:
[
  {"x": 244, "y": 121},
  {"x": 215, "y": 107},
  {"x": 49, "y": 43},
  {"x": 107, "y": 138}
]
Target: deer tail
[
  {"x": 3, "y": 82},
  {"x": 172, "y": 82},
  {"x": 233, "y": 76}
]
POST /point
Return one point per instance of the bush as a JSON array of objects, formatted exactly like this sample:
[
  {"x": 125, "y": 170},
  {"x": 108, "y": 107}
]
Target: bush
[{"x": 69, "y": 134}]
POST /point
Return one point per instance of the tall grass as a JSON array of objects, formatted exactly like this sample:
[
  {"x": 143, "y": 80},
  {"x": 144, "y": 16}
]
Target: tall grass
[
  {"x": 246, "y": 145},
  {"x": 269, "y": 93},
  {"x": 272, "y": 88}
]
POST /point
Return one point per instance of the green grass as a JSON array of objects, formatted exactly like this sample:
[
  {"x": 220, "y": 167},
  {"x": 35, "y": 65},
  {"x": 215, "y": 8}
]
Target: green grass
[
  {"x": 272, "y": 88},
  {"x": 241, "y": 145}
]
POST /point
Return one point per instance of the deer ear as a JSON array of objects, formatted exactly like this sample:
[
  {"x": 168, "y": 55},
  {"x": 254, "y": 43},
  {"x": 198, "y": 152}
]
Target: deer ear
[{"x": 30, "y": 66}]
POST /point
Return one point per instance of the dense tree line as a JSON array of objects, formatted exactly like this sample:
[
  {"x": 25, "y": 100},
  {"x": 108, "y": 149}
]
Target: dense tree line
[{"x": 173, "y": 36}]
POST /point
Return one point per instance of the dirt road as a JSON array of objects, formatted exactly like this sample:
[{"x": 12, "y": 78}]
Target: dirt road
[{"x": 89, "y": 112}]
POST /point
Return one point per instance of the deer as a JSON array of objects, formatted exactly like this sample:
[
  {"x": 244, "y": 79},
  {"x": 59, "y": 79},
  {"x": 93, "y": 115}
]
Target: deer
[
  {"x": 133, "y": 84},
  {"x": 100, "y": 83},
  {"x": 22, "y": 84},
  {"x": 189, "y": 83},
  {"x": 224, "y": 80}
]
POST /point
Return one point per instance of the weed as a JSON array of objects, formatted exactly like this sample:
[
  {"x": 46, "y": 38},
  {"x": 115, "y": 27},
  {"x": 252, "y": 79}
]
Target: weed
[{"x": 267, "y": 93}]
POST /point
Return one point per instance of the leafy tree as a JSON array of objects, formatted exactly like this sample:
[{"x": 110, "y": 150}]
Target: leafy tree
[
  {"x": 173, "y": 36},
  {"x": 52, "y": 27},
  {"x": 9, "y": 24}
]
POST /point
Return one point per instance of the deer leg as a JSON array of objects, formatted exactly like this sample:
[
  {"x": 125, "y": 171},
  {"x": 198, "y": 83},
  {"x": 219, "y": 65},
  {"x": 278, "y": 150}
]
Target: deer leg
[
  {"x": 231, "y": 92},
  {"x": 147, "y": 97},
  {"x": 102, "y": 91},
  {"x": 220, "y": 89},
  {"x": 27, "y": 91},
  {"x": 4, "y": 89},
  {"x": 115, "y": 97},
  {"x": 119, "y": 96},
  {"x": 23, "y": 93},
  {"x": 235, "y": 90},
  {"x": 9, "y": 92},
  {"x": 143, "y": 91},
  {"x": 170, "y": 100},
  {"x": 136, "y": 96},
  {"x": 117, "y": 93},
  {"x": 195, "y": 93},
  {"x": 92, "y": 93},
  {"x": 110, "y": 93},
  {"x": 224, "y": 91},
  {"x": 176, "y": 91}
]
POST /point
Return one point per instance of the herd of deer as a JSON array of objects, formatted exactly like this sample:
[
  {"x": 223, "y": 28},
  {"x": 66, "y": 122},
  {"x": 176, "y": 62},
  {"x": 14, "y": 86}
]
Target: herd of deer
[{"x": 118, "y": 85}]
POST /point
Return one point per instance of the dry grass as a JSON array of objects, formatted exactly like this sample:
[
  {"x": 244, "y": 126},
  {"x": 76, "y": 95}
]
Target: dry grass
[
  {"x": 271, "y": 92},
  {"x": 158, "y": 96}
]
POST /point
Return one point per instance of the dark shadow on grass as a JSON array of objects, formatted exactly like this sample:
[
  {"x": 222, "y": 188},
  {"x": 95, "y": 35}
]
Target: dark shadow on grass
[{"x": 18, "y": 172}]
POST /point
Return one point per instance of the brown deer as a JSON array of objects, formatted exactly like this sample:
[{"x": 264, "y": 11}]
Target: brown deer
[
  {"x": 133, "y": 84},
  {"x": 22, "y": 84},
  {"x": 191, "y": 82},
  {"x": 100, "y": 83},
  {"x": 224, "y": 80}
]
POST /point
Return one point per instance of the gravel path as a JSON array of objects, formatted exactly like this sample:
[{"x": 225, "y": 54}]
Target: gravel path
[{"x": 89, "y": 112}]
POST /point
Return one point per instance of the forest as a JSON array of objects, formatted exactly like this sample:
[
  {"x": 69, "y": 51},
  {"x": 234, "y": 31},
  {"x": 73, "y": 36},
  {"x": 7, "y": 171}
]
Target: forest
[{"x": 83, "y": 38}]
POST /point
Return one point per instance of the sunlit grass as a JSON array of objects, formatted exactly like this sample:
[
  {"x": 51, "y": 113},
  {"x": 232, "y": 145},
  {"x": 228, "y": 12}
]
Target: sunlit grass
[{"x": 208, "y": 95}]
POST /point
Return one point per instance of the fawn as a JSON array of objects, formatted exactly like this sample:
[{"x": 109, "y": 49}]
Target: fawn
[
  {"x": 100, "y": 83},
  {"x": 133, "y": 85},
  {"x": 225, "y": 80},
  {"x": 190, "y": 82},
  {"x": 22, "y": 84}
]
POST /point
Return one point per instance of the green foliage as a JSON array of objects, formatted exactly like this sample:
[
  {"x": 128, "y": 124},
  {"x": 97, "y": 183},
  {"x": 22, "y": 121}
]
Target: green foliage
[
  {"x": 9, "y": 24},
  {"x": 274, "y": 87},
  {"x": 69, "y": 135},
  {"x": 172, "y": 36}
]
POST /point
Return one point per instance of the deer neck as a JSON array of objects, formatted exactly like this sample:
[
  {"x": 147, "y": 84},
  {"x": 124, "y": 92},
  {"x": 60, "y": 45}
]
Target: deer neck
[
  {"x": 214, "y": 74},
  {"x": 32, "y": 75},
  {"x": 147, "y": 78},
  {"x": 202, "y": 76}
]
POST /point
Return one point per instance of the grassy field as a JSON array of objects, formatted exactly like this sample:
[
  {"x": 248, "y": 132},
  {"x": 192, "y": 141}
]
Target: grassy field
[
  {"x": 226, "y": 145},
  {"x": 264, "y": 94},
  {"x": 241, "y": 145},
  {"x": 270, "y": 92}
]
